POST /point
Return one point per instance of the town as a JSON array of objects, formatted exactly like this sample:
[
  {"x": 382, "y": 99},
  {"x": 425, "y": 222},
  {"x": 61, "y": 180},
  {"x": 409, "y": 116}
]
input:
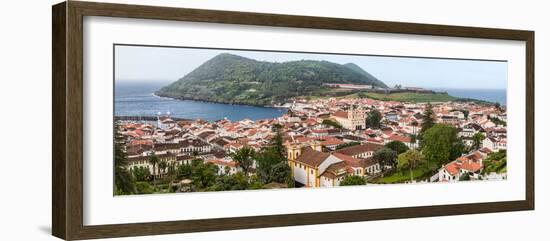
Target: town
[{"x": 319, "y": 142}]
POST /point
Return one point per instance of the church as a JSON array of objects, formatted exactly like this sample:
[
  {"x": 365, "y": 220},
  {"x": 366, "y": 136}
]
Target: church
[{"x": 352, "y": 119}]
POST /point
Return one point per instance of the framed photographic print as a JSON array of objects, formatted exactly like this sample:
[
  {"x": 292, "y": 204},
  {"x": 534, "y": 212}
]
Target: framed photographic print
[{"x": 170, "y": 120}]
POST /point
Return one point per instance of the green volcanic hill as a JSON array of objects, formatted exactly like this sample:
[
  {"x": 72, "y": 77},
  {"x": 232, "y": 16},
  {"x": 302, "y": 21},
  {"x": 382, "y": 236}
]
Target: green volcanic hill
[
  {"x": 359, "y": 70},
  {"x": 229, "y": 78}
]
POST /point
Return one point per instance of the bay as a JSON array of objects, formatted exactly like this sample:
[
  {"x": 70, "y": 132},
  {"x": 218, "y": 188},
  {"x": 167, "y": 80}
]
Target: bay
[{"x": 137, "y": 99}]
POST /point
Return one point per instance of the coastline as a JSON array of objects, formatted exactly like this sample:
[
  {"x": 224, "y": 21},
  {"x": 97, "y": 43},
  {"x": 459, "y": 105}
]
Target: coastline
[
  {"x": 281, "y": 105},
  {"x": 160, "y": 95}
]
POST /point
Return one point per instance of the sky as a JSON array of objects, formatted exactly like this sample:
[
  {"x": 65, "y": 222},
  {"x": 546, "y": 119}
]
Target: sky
[{"x": 165, "y": 65}]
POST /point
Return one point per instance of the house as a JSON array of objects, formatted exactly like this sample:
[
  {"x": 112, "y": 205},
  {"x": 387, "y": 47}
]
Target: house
[
  {"x": 145, "y": 162},
  {"x": 470, "y": 129},
  {"x": 404, "y": 139},
  {"x": 331, "y": 143},
  {"x": 314, "y": 168},
  {"x": 452, "y": 171},
  {"x": 225, "y": 167},
  {"x": 494, "y": 144},
  {"x": 307, "y": 167},
  {"x": 196, "y": 145},
  {"x": 365, "y": 150}
]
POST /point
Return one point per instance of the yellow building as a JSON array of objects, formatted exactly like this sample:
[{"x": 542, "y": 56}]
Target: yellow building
[{"x": 314, "y": 168}]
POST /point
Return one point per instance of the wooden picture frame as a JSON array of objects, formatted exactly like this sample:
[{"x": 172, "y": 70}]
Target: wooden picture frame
[{"x": 67, "y": 123}]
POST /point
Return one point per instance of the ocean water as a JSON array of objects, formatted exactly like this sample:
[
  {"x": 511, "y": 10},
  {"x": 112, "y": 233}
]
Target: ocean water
[
  {"x": 491, "y": 95},
  {"x": 137, "y": 99}
]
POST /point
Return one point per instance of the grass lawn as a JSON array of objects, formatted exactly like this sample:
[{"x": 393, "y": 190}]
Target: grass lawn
[
  {"x": 402, "y": 97},
  {"x": 411, "y": 97},
  {"x": 401, "y": 177}
]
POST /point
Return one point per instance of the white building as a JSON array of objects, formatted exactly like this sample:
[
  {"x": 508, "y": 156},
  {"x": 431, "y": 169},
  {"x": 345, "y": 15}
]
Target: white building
[{"x": 352, "y": 119}]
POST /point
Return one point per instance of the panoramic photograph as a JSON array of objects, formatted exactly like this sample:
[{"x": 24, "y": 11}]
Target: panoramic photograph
[{"x": 201, "y": 120}]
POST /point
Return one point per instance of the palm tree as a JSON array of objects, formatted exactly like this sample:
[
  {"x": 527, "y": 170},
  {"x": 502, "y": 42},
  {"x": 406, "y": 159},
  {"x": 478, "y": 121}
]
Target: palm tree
[
  {"x": 162, "y": 167},
  {"x": 172, "y": 173},
  {"x": 153, "y": 159}
]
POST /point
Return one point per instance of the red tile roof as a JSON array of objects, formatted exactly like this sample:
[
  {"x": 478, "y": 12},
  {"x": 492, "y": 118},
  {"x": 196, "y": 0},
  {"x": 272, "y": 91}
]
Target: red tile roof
[
  {"x": 312, "y": 157},
  {"x": 341, "y": 114}
]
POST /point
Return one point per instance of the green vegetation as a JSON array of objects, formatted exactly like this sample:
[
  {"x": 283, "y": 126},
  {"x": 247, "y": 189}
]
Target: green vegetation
[
  {"x": 237, "y": 181},
  {"x": 440, "y": 144},
  {"x": 153, "y": 159},
  {"x": 409, "y": 97},
  {"x": 404, "y": 176},
  {"x": 427, "y": 119},
  {"x": 348, "y": 144},
  {"x": 477, "y": 138},
  {"x": 244, "y": 157},
  {"x": 373, "y": 119},
  {"x": 386, "y": 157},
  {"x": 124, "y": 181},
  {"x": 464, "y": 177},
  {"x": 272, "y": 164},
  {"x": 497, "y": 121},
  {"x": 361, "y": 71},
  {"x": 397, "y": 146},
  {"x": 272, "y": 171},
  {"x": 352, "y": 181},
  {"x": 141, "y": 174},
  {"x": 203, "y": 174},
  {"x": 230, "y": 78},
  {"x": 410, "y": 160},
  {"x": 332, "y": 123},
  {"x": 144, "y": 188},
  {"x": 495, "y": 162}
]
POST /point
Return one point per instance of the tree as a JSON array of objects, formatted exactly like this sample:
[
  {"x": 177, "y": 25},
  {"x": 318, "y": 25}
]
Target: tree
[
  {"x": 351, "y": 180},
  {"x": 204, "y": 175},
  {"x": 276, "y": 127},
  {"x": 172, "y": 172},
  {"x": 348, "y": 144},
  {"x": 141, "y": 174},
  {"x": 265, "y": 160},
  {"x": 269, "y": 157},
  {"x": 397, "y": 146},
  {"x": 144, "y": 188},
  {"x": 441, "y": 144},
  {"x": 466, "y": 113},
  {"x": 124, "y": 181},
  {"x": 244, "y": 157},
  {"x": 410, "y": 159},
  {"x": 373, "y": 119},
  {"x": 385, "y": 156},
  {"x": 477, "y": 138},
  {"x": 277, "y": 144},
  {"x": 154, "y": 160},
  {"x": 237, "y": 181},
  {"x": 226, "y": 170},
  {"x": 332, "y": 123},
  {"x": 184, "y": 171},
  {"x": 280, "y": 173},
  {"x": 427, "y": 119}
]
